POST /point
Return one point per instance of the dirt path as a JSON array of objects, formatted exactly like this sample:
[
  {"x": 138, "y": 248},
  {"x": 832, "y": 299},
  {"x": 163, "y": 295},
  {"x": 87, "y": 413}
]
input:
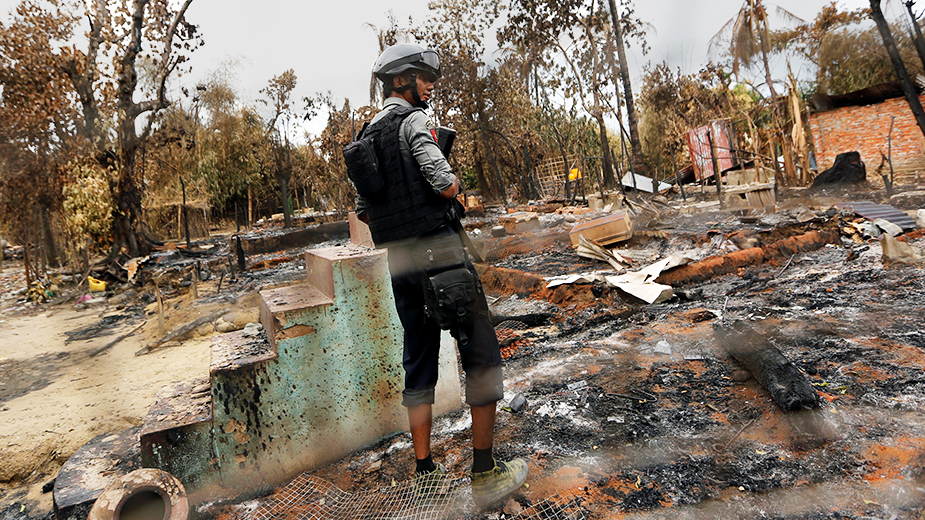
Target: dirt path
[{"x": 54, "y": 397}]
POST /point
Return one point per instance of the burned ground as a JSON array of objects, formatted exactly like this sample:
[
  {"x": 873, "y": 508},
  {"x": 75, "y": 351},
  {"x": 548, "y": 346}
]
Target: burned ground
[
  {"x": 618, "y": 427},
  {"x": 634, "y": 410}
]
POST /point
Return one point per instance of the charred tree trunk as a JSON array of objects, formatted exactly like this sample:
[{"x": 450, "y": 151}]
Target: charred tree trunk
[
  {"x": 615, "y": 73},
  {"x": 916, "y": 33},
  {"x": 129, "y": 230},
  {"x": 283, "y": 174},
  {"x": 638, "y": 161},
  {"x": 607, "y": 170},
  {"x": 185, "y": 212},
  {"x": 480, "y": 179},
  {"x": 908, "y": 88},
  {"x": 606, "y": 164},
  {"x": 284, "y": 200},
  {"x": 499, "y": 182},
  {"x": 781, "y": 378},
  {"x": 524, "y": 181},
  {"x": 48, "y": 238}
]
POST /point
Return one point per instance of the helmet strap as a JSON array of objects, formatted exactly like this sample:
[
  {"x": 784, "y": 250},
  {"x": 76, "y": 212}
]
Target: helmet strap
[{"x": 418, "y": 102}]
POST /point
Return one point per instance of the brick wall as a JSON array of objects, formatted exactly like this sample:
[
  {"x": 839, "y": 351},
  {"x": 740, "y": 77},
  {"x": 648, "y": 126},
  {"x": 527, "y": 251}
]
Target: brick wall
[{"x": 865, "y": 129}]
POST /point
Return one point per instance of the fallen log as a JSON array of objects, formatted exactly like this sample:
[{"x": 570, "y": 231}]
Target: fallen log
[
  {"x": 186, "y": 329},
  {"x": 785, "y": 382}
]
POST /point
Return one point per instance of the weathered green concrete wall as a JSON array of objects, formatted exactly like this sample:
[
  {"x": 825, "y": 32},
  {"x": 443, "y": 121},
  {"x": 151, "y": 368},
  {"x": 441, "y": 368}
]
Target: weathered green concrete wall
[{"x": 327, "y": 383}]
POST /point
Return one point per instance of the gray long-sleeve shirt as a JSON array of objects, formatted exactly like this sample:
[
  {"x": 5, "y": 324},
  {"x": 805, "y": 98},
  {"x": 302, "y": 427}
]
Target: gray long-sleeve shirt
[{"x": 416, "y": 141}]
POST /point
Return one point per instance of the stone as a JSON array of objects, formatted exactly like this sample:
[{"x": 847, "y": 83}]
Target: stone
[
  {"x": 205, "y": 329},
  {"x": 920, "y": 218},
  {"x": 512, "y": 507},
  {"x": 518, "y": 403},
  {"x": 901, "y": 252},
  {"x": 520, "y": 222},
  {"x": 223, "y": 326},
  {"x": 498, "y": 232},
  {"x": 909, "y": 199},
  {"x": 124, "y": 297},
  {"x": 595, "y": 203},
  {"x": 551, "y": 221},
  {"x": 252, "y": 329},
  {"x": 242, "y": 318},
  {"x": 741, "y": 376},
  {"x": 663, "y": 347}
]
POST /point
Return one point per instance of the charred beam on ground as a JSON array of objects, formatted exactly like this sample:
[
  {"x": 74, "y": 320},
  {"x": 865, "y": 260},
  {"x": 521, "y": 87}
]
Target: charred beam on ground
[{"x": 785, "y": 382}]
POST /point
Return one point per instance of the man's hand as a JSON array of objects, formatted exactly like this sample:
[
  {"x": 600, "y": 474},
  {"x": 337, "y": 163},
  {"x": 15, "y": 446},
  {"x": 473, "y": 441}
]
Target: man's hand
[{"x": 452, "y": 191}]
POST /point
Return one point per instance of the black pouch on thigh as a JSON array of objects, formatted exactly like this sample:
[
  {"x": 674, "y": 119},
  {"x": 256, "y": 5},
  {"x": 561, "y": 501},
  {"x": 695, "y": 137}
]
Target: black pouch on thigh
[
  {"x": 451, "y": 298},
  {"x": 450, "y": 290}
]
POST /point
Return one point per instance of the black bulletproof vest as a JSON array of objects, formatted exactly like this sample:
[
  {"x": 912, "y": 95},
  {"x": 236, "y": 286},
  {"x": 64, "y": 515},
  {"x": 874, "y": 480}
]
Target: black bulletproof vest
[{"x": 407, "y": 205}]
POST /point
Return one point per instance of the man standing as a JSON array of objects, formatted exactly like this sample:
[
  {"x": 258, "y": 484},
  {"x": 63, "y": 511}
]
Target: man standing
[{"x": 409, "y": 206}]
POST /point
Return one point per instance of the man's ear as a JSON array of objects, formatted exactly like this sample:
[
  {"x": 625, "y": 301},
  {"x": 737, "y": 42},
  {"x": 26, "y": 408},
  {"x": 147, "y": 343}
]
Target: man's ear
[{"x": 398, "y": 81}]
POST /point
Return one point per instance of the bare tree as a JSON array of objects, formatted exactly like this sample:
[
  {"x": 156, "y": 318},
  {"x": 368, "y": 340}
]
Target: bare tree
[
  {"x": 639, "y": 165},
  {"x": 916, "y": 32},
  {"x": 890, "y": 44},
  {"x": 279, "y": 94}
]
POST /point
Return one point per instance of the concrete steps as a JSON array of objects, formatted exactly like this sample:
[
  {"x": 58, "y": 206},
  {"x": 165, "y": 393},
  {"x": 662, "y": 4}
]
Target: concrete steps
[
  {"x": 180, "y": 418},
  {"x": 323, "y": 380}
]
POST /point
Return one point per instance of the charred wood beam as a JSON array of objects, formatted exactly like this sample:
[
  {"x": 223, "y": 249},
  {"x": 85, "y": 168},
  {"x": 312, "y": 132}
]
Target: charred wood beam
[{"x": 785, "y": 382}]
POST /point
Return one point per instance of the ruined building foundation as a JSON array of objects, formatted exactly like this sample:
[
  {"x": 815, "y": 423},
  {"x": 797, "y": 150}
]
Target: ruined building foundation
[{"x": 323, "y": 381}]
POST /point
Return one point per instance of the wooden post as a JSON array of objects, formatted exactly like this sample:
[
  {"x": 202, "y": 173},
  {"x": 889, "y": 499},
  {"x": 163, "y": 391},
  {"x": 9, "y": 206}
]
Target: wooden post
[
  {"x": 161, "y": 328},
  {"x": 250, "y": 207},
  {"x": 194, "y": 285},
  {"x": 677, "y": 176},
  {"x": 716, "y": 173},
  {"x": 185, "y": 212},
  {"x": 25, "y": 256},
  {"x": 889, "y": 152},
  {"x": 242, "y": 261},
  {"x": 776, "y": 166}
]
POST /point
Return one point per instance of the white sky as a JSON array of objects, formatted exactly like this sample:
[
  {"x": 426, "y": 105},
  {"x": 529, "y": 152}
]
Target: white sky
[{"x": 330, "y": 49}]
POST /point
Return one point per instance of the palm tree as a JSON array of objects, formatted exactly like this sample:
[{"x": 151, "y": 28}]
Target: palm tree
[{"x": 748, "y": 37}]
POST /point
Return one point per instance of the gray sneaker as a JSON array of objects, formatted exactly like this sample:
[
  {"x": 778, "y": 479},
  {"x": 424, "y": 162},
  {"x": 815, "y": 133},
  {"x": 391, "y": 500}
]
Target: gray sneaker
[
  {"x": 430, "y": 484},
  {"x": 490, "y": 488}
]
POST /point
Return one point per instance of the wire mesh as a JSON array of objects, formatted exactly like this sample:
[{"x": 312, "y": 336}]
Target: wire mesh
[
  {"x": 313, "y": 498},
  {"x": 511, "y": 325},
  {"x": 552, "y": 174}
]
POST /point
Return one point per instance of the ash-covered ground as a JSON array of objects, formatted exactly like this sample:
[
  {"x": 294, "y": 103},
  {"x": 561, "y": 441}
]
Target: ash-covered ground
[{"x": 634, "y": 411}]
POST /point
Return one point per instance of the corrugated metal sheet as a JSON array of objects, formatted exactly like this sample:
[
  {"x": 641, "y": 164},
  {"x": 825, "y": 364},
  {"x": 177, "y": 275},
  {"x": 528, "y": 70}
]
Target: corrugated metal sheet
[
  {"x": 873, "y": 211},
  {"x": 698, "y": 142}
]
